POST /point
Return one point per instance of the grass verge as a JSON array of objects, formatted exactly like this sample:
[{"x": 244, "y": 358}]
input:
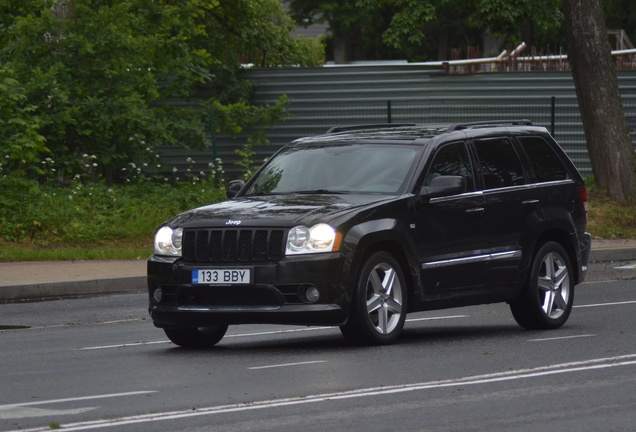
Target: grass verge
[{"x": 609, "y": 219}]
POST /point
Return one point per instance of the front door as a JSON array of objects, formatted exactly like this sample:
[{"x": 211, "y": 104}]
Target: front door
[{"x": 450, "y": 231}]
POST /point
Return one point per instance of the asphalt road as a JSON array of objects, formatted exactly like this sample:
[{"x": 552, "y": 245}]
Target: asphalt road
[{"x": 98, "y": 363}]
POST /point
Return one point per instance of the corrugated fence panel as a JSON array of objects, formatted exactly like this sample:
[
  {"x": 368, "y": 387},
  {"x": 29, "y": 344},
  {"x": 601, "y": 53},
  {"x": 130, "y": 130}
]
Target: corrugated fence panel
[{"x": 334, "y": 96}]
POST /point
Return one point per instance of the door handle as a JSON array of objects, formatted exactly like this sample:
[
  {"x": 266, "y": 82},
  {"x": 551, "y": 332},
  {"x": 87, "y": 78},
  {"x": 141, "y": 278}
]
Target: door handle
[
  {"x": 533, "y": 203},
  {"x": 475, "y": 212}
]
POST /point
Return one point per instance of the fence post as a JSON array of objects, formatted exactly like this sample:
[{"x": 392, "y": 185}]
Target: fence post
[
  {"x": 388, "y": 112},
  {"x": 553, "y": 115},
  {"x": 214, "y": 152}
]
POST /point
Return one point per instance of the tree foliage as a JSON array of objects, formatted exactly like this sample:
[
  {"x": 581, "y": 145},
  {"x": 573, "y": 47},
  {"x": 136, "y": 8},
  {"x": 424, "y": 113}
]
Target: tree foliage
[
  {"x": 428, "y": 29},
  {"x": 99, "y": 77},
  {"x": 21, "y": 143}
]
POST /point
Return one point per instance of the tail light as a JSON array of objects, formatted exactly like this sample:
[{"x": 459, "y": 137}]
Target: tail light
[{"x": 583, "y": 199}]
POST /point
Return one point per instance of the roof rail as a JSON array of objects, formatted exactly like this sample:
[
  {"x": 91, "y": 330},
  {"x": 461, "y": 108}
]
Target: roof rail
[
  {"x": 460, "y": 126},
  {"x": 336, "y": 129}
]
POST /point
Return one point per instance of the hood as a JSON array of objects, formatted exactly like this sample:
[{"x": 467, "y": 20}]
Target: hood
[{"x": 275, "y": 210}]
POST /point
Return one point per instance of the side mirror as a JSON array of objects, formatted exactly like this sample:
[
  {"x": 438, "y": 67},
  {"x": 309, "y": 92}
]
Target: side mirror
[
  {"x": 443, "y": 186},
  {"x": 234, "y": 188}
]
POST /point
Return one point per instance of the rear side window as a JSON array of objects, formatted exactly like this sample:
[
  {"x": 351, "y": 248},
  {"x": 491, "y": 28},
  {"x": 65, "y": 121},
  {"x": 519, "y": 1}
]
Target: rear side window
[
  {"x": 545, "y": 163},
  {"x": 499, "y": 162}
]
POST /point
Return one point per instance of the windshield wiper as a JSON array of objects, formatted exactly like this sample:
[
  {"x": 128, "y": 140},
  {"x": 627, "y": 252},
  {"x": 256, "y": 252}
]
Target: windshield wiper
[{"x": 321, "y": 192}]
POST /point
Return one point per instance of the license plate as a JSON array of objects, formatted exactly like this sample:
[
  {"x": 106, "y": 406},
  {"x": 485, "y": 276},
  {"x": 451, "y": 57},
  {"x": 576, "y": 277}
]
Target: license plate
[{"x": 234, "y": 276}]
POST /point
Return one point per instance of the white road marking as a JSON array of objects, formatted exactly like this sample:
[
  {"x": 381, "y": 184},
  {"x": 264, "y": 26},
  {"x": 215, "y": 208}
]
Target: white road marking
[
  {"x": 121, "y": 345},
  {"x": 561, "y": 337},
  {"x": 296, "y": 330},
  {"x": 275, "y": 332},
  {"x": 573, "y": 367},
  {"x": 627, "y": 267},
  {"x": 8, "y": 412},
  {"x": 606, "y": 304},
  {"x": 226, "y": 337},
  {"x": 436, "y": 318},
  {"x": 286, "y": 365},
  {"x": 80, "y": 398},
  {"x": 25, "y": 410},
  {"x": 130, "y": 320},
  {"x": 265, "y": 333}
]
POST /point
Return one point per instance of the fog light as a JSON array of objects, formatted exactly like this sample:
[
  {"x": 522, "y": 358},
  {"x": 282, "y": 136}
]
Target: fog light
[
  {"x": 312, "y": 294},
  {"x": 157, "y": 295}
]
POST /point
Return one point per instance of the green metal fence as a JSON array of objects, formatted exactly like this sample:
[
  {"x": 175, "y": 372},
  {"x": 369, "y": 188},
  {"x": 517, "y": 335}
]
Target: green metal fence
[{"x": 560, "y": 115}]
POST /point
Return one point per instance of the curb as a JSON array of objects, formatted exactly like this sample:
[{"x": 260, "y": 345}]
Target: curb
[
  {"x": 76, "y": 288},
  {"x": 613, "y": 254}
]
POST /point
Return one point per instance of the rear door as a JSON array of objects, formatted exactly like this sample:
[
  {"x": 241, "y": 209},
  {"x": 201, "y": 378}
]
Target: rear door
[{"x": 513, "y": 206}]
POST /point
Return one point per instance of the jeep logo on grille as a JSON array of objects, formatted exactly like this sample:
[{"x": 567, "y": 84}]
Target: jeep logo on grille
[{"x": 233, "y": 222}]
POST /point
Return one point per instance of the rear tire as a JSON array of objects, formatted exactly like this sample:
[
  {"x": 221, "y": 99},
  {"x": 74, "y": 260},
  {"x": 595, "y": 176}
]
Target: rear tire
[
  {"x": 201, "y": 337},
  {"x": 379, "y": 305},
  {"x": 547, "y": 297}
]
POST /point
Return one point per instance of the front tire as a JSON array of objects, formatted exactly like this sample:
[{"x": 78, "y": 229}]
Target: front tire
[
  {"x": 379, "y": 305},
  {"x": 547, "y": 297},
  {"x": 201, "y": 337}
]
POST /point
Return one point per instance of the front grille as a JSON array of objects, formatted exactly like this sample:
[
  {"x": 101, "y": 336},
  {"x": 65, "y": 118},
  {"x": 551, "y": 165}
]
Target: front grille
[{"x": 231, "y": 245}]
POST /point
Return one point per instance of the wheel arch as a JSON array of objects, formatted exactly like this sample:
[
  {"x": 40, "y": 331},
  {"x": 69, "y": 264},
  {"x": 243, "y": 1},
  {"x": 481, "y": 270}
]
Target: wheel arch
[
  {"x": 566, "y": 241},
  {"x": 383, "y": 236}
]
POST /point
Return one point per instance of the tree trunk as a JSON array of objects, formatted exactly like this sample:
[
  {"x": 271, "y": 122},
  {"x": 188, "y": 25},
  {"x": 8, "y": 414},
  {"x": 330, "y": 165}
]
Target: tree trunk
[
  {"x": 339, "y": 49},
  {"x": 609, "y": 145}
]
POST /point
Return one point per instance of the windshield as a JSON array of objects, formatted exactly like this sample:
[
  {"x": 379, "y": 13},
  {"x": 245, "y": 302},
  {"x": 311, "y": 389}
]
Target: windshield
[{"x": 350, "y": 168}]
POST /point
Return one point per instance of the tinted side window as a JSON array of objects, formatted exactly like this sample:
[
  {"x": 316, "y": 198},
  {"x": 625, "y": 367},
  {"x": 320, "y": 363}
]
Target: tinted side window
[
  {"x": 452, "y": 160},
  {"x": 500, "y": 165},
  {"x": 545, "y": 162}
]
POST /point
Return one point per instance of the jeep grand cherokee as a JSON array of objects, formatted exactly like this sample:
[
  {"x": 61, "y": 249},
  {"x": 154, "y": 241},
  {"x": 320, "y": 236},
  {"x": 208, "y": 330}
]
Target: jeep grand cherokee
[{"x": 362, "y": 225}]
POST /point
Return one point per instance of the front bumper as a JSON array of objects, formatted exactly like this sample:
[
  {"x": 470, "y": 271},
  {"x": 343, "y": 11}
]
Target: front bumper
[{"x": 275, "y": 296}]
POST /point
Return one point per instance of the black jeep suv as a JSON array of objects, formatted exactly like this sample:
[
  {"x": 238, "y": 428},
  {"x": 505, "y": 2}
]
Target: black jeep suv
[{"x": 362, "y": 225}]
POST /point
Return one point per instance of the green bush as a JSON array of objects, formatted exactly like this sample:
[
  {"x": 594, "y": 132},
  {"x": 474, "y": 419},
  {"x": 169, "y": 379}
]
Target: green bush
[{"x": 94, "y": 214}]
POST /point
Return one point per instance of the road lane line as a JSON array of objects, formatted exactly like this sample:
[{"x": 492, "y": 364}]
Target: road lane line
[
  {"x": 276, "y": 332},
  {"x": 572, "y": 367},
  {"x": 9, "y": 413},
  {"x": 77, "y": 399},
  {"x": 606, "y": 304},
  {"x": 561, "y": 337},
  {"x": 286, "y": 365},
  {"x": 121, "y": 345},
  {"x": 265, "y": 333},
  {"x": 436, "y": 318}
]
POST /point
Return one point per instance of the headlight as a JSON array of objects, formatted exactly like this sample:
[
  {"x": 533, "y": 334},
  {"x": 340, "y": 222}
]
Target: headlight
[
  {"x": 303, "y": 240},
  {"x": 168, "y": 241}
]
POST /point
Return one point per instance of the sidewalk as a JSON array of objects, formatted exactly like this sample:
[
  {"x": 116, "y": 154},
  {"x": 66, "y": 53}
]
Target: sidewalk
[{"x": 52, "y": 279}]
